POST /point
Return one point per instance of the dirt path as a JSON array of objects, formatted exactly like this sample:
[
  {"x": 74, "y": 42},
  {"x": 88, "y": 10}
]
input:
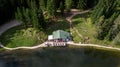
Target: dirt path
[
  {"x": 34, "y": 47},
  {"x": 73, "y": 13},
  {"x": 94, "y": 45},
  {"x": 8, "y": 25}
]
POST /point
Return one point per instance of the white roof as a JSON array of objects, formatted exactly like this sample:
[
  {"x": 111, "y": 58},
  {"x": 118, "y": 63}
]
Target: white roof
[{"x": 50, "y": 37}]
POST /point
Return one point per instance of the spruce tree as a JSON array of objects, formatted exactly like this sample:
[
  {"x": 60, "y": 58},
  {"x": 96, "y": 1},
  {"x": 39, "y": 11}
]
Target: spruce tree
[
  {"x": 42, "y": 4},
  {"x": 106, "y": 26},
  {"x": 115, "y": 29},
  {"x": 116, "y": 41},
  {"x": 107, "y": 9},
  {"x": 51, "y": 8},
  {"x": 18, "y": 14},
  {"x": 41, "y": 19},
  {"x": 34, "y": 16},
  {"x": 26, "y": 14},
  {"x": 82, "y": 4},
  {"x": 104, "y": 7},
  {"x": 62, "y": 7},
  {"x": 31, "y": 15},
  {"x": 68, "y": 4}
]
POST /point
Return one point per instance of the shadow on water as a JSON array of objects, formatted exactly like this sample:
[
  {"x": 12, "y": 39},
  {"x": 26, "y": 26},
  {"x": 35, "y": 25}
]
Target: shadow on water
[
  {"x": 61, "y": 57},
  {"x": 2, "y": 63}
]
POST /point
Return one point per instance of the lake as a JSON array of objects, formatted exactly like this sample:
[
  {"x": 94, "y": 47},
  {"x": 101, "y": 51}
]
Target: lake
[{"x": 60, "y": 57}]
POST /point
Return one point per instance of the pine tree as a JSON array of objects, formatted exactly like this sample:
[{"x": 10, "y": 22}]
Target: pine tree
[
  {"x": 18, "y": 15},
  {"x": 82, "y": 4},
  {"x": 91, "y": 3},
  {"x": 104, "y": 7},
  {"x": 41, "y": 19},
  {"x": 107, "y": 9},
  {"x": 51, "y": 8},
  {"x": 106, "y": 26},
  {"x": 116, "y": 41},
  {"x": 26, "y": 15},
  {"x": 34, "y": 16},
  {"x": 115, "y": 29},
  {"x": 68, "y": 4},
  {"x": 62, "y": 7},
  {"x": 31, "y": 15},
  {"x": 42, "y": 4}
]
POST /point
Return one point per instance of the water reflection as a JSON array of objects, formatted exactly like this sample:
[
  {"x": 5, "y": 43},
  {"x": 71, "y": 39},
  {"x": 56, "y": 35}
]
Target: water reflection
[
  {"x": 61, "y": 57},
  {"x": 2, "y": 64}
]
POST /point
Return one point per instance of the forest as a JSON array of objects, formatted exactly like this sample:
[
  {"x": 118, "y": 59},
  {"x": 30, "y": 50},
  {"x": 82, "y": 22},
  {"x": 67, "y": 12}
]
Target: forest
[{"x": 41, "y": 14}]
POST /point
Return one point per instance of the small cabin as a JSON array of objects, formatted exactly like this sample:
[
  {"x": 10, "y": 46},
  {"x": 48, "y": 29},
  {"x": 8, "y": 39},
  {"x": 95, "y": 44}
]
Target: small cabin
[{"x": 59, "y": 38}]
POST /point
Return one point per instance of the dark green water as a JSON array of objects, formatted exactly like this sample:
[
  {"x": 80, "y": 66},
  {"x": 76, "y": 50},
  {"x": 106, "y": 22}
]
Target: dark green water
[{"x": 60, "y": 57}]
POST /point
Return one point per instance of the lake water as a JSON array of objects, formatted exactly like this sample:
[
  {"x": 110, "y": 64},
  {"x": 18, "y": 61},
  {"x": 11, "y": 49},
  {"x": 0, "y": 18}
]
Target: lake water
[{"x": 60, "y": 57}]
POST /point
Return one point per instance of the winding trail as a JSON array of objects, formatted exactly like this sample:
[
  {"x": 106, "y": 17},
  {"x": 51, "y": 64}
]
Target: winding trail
[
  {"x": 30, "y": 48},
  {"x": 73, "y": 13}
]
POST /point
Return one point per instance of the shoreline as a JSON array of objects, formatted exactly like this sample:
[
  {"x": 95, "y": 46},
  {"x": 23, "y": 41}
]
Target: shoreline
[
  {"x": 94, "y": 45},
  {"x": 29, "y": 48},
  {"x": 70, "y": 44}
]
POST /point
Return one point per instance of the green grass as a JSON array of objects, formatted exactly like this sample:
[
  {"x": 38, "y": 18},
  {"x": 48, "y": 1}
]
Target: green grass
[
  {"x": 86, "y": 29},
  {"x": 18, "y": 36}
]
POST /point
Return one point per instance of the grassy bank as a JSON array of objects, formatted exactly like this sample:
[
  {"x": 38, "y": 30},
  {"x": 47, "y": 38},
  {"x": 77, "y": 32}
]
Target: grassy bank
[
  {"x": 19, "y": 36},
  {"x": 87, "y": 30}
]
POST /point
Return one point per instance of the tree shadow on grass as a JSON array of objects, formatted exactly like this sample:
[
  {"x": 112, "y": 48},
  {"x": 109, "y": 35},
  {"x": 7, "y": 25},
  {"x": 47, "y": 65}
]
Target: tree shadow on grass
[
  {"x": 80, "y": 18},
  {"x": 76, "y": 22},
  {"x": 59, "y": 25},
  {"x": 85, "y": 15},
  {"x": 5, "y": 37}
]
